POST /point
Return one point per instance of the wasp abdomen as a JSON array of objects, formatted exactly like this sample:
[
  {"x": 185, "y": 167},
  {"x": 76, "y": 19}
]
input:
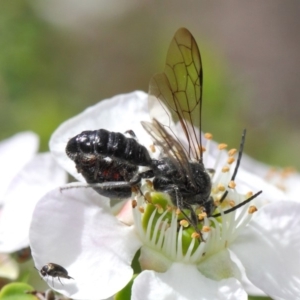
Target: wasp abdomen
[{"x": 108, "y": 143}]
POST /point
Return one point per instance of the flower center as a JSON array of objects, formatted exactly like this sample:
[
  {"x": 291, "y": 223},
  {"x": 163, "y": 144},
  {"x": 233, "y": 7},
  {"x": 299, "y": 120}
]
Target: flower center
[{"x": 164, "y": 229}]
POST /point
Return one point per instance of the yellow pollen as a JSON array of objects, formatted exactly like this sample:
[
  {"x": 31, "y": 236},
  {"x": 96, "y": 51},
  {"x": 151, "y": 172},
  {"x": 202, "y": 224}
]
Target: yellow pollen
[
  {"x": 271, "y": 173},
  {"x": 178, "y": 211},
  {"x": 222, "y": 146},
  {"x": 133, "y": 203},
  {"x": 202, "y": 215},
  {"x": 148, "y": 197},
  {"x": 206, "y": 229},
  {"x": 232, "y": 184},
  {"x": 249, "y": 194},
  {"x": 281, "y": 186},
  {"x": 195, "y": 235},
  {"x": 231, "y": 203},
  {"x": 208, "y": 136},
  {"x": 149, "y": 183},
  {"x": 230, "y": 160},
  {"x": 288, "y": 171},
  {"x": 141, "y": 209},
  {"x": 134, "y": 189},
  {"x": 152, "y": 148},
  {"x": 221, "y": 187},
  {"x": 252, "y": 209},
  {"x": 231, "y": 152},
  {"x": 217, "y": 201},
  {"x": 170, "y": 208},
  {"x": 159, "y": 208},
  {"x": 214, "y": 190},
  {"x": 184, "y": 223},
  {"x": 225, "y": 169}
]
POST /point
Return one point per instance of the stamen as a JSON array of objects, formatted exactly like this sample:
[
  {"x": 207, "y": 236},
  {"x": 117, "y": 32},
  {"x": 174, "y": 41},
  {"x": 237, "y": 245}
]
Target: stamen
[
  {"x": 159, "y": 208},
  {"x": 252, "y": 209},
  {"x": 222, "y": 146},
  {"x": 231, "y": 184},
  {"x": 230, "y": 160},
  {"x": 206, "y": 229},
  {"x": 152, "y": 148},
  {"x": 184, "y": 223},
  {"x": 231, "y": 203},
  {"x": 208, "y": 136},
  {"x": 232, "y": 152},
  {"x": 221, "y": 187},
  {"x": 148, "y": 197},
  {"x": 201, "y": 216},
  {"x": 225, "y": 169},
  {"x": 195, "y": 235}
]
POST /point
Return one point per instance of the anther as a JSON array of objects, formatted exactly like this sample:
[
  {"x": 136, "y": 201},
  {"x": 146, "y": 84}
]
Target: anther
[
  {"x": 152, "y": 148},
  {"x": 206, "y": 229},
  {"x": 232, "y": 152},
  {"x": 195, "y": 235},
  {"x": 159, "y": 208},
  {"x": 221, "y": 187},
  {"x": 230, "y": 160},
  {"x": 225, "y": 169},
  {"x": 222, "y": 146},
  {"x": 201, "y": 216},
  {"x": 148, "y": 197},
  {"x": 184, "y": 223},
  {"x": 133, "y": 203},
  {"x": 231, "y": 184},
  {"x": 208, "y": 136},
  {"x": 252, "y": 209}
]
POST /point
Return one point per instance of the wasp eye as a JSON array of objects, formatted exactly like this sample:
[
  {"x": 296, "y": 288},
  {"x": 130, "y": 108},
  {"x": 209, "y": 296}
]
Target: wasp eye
[
  {"x": 84, "y": 141},
  {"x": 71, "y": 148}
]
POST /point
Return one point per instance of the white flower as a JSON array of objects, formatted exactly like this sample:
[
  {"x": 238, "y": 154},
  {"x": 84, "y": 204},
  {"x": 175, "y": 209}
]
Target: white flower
[
  {"x": 97, "y": 248},
  {"x": 26, "y": 177},
  {"x": 285, "y": 179}
]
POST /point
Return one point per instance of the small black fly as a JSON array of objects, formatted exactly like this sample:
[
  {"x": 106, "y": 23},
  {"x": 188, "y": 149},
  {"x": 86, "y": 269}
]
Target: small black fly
[{"x": 54, "y": 270}]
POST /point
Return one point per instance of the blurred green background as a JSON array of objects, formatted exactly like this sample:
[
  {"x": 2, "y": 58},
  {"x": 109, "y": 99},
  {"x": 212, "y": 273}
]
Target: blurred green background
[{"x": 58, "y": 57}]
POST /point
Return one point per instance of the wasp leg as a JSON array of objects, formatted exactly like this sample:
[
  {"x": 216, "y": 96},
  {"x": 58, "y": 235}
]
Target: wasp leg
[{"x": 193, "y": 220}]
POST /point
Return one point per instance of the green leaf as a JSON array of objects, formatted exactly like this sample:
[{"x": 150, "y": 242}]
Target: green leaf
[
  {"x": 125, "y": 293},
  {"x": 17, "y": 290}
]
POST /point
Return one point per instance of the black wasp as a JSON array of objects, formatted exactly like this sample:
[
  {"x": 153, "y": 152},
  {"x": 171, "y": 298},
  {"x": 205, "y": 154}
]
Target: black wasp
[
  {"x": 55, "y": 270},
  {"x": 104, "y": 156},
  {"x": 111, "y": 161}
]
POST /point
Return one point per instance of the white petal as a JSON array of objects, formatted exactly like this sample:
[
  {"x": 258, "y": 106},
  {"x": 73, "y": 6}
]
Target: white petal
[
  {"x": 75, "y": 229},
  {"x": 15, "y": 153},
  {"x": 247, "y": 181},
  {"x": 120, "y": 113},
  {"x": 269, "y": 249},
  {"x": 39, "y": 176},
  {"x": 184, "y": 282},
  {"x": 219, "y": 266}
]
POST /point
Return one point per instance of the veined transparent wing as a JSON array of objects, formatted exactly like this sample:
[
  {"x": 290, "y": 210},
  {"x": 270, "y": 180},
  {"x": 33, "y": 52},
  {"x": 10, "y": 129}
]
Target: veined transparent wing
[
  {"x": 171, "y": 148},
  {"x": 179, "y": 89}
]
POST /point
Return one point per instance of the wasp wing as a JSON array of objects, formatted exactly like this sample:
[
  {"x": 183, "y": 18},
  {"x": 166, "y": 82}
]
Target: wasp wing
[
  {"x": 171, "y": 148},
  {"x": 179, "y": 90}
]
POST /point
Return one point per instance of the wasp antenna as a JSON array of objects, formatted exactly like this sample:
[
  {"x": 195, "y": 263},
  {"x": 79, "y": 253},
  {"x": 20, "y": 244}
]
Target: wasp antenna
[
  {"x": 241, "y": 149},
  {"x": 237, "y": 206},
  {"x": 240, "y": 155}
]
